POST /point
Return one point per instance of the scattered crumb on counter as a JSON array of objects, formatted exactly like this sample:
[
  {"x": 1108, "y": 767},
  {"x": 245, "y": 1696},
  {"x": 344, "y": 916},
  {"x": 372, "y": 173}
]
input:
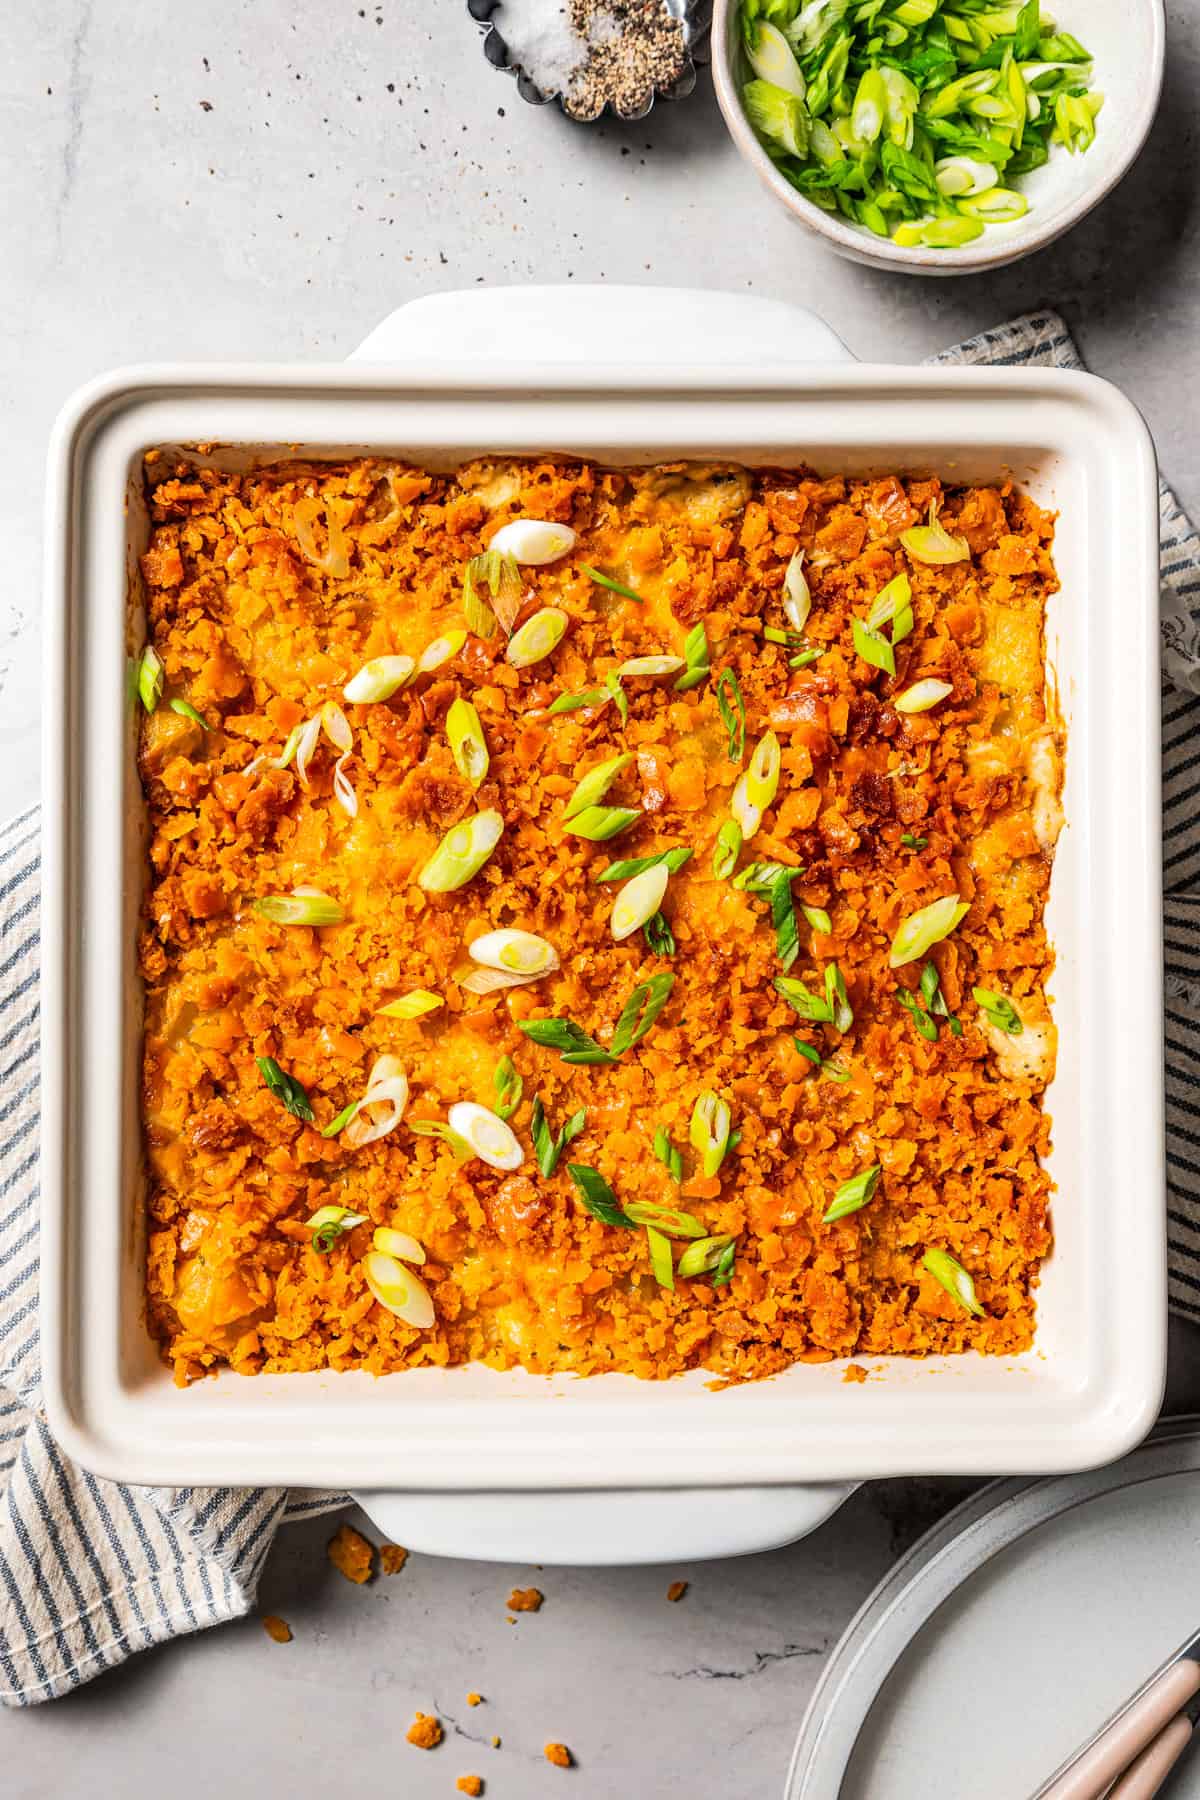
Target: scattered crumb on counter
[
  {"x": 559, "y": 1755},
  {"x": 495, "y": 1743},
  {"x": 277, "y": 1629},
  {"x": 854, "y": 1372},
  {"x": 392, "y": 1558},
  {"x": 424, "y": 1732},
  {"x": 474, "y": 1699},
  {"x": 525, "y": 1600},
  {"x": 677, "y": 1590},
  {"x": 351, "y": 1554},
  {"x": 469, "y": 1784}
]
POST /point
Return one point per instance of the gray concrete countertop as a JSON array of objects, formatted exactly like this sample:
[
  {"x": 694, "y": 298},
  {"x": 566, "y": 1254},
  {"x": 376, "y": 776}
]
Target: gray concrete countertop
[{"x": 268, "y": 180}]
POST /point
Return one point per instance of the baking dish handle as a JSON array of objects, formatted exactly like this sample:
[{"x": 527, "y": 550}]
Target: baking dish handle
[
  {"x": 595, "y": 325},
  {"x": 604, "y": 1528}
]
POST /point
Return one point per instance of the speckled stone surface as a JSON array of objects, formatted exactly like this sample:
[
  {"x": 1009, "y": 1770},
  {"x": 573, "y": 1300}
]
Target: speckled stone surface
[{"x": 268, "y": 180}]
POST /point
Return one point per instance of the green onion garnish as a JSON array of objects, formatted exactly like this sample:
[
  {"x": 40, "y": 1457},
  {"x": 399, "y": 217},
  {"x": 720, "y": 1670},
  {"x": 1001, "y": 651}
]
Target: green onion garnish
[
  {"x": 574, "y": 702},
  {"x": 911, "y": 841},
  {"x": 571, "y": 1041},
  {"x": 662, "y": 1265},
  {"x": 757, "y": 786},
  {"x": 286, "y": 1089},
  {"x": 921, "y": 930},
  {"x": 667, "y": 1219},
  {"x": 590, "y": 791},
  {"x": 607, "y": 581},
  {"x": 547, "y": 1145},
  {"x": 329, "y": 1223},
  {"x": 637, "y": 865},
  {"x": 339, "y": 1124},
  {"x": 922, "y": 695},
  {"x": 723, "y": 1271},
  {"x": 598, "y": 823},
  {"x": 839, "y": 1003},
  {"x": 537, "y": 638},
  {"x": 308, "y": 908},
  {"x": 804, "y": 659},
  {"x": 437, "y": 1128},
  {"x": 1001, "y": 1012},
  {"x": 775, "y": 880},
  {"x": 809, "y": 1006},
  {"x": 597, "y": 1196},
  {"x": 935, "y": 1000},
  {"x": 727, "y": 849},
  {"x": 831, "y": 1070},
  {"x": 413, "y": 1005},
  {"x": 507, "y": 1086},
  {"x": 818, "y": 918},
  {"x": 797, "y": 597},
  {"x": 660, "y": 939},
  {"x": 667, "y": 1154},
  {"x": 150, "y": 678},
  {"x": 502, "y": 577},
  {"x": 187, "y": 711},
  {"x": 947, "y": 1270},
  {"x": 696, "y": 656},
  {"x": 872, "y": 647},
  {"x": 892, "y": 604},
  {"x": 709, "y": 1130},
  {"x": 732, "y": 709},
  {"x": 640, "y": 1011},
  {"x": 920, "y": 1018},
  {"x": 791, "y": 640},
  {"x": 462, "y": 853},
  {"x": 468, "y": 746},
  {"x": 853, "y": 1195},
  {"x": 703, "y": 1256},
  {"x": 932, "y": 543}
]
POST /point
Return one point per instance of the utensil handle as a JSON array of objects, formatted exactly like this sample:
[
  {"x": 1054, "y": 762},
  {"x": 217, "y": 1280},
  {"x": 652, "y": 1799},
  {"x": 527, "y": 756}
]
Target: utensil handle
[
  {"x": 1143, "y": 1778},
  {"x": 1088, "y": 1776}
]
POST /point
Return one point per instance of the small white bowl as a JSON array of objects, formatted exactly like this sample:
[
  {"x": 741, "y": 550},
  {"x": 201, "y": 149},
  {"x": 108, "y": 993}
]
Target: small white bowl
[{"x": 1127, "y": 40}]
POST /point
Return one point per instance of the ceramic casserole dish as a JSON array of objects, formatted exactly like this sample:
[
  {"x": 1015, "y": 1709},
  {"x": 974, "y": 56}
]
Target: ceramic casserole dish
[{"x": 1090, "y": 1386}]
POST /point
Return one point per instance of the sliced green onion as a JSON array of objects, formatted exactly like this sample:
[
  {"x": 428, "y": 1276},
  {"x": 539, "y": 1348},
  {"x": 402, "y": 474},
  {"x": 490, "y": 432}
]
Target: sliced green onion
[
  {"x": 547, "y": 1147},
  {"x": 667, "y": 1154},
  {"x": 187, "y": 711},
  {"x": 398, "y": 1290},
  {"x": 999, "y": 206},
  {"x": 574, "y": 702},
  {"x": 286, "y": 1089},
  {"x": 841, "y": 1013},
  {"x": 507, "y": 1086},
  {"x": 770, "y": 56},
  {"x": 932, "y": 543},
  {"x": 727, "y": 849},
  {"x": 723, "y": 1272},
  {"x": 573, "y": 1044},
  {"x": 515, "y": 952},
  {"x": 502, "y": 577},
  {"x": 437, "y": 1128},
  {"x": 598, "y": 823},
  {"x": 329, "y": 1223},
  {"x": 468, "y": 746},
  {"x": 383, "y": 1103},
  {"x": 797, "y": 596},
  {"x": 757, "y": 787},
  {"x": 667, "y": 1219},
  {"x": 398, "y": 1244},
  {"x": 537, "y": 637},
  {"x": 1001, "y": 1011},
  {"x": 662, "y": 1265},
  {"x": 533, "y": 541},
  {"x": 709, "y": 1131},
  {"x": 947, "y": 1270},
  {"x": 946, "y": 234},
  {"x": 853, "y": 1195},
  {"x": 893, "y": 605},
  {"x": 789, "y": 639},
  {"x": 597, "y": 1196},
  {"x": 732, "y": 709},
  {"x": 616, "y": 693},
  {"x": 442, "y": 650},
  {"x": 342, "y": 1119},
  {"x": 608, "y": 581},
  {"x": 920, "y": 1018},
  {"x": 462, "y": 853},
  {"x": 638, "y": 901},
  {"x": 595, "y": 784},
  {"x": 960, "y": 176},
  {"x": 922, "y": 695},
  {"x": 300, "y": 908},
  {"x": 911, "y": 841},
  {"x": 935, "y": 1000},
  {"x": 809, "y": 1006},
  {"x": 777, "y": 115},
  {"x": 703, "y": 1256},
  {"x": 696, "y": 656},
  {"x": 636, "y": 865},
  {"x": 1075, "y": 120},
  {"x": 412, "y": 1005},
  {"x": 379, "y": 679},
  {"x": 921, "y": 930},
  {"x": 640, "y": 1012},
  {"x": 493, "y": 1141},
  {"x": 869, "y": 108},
  {"x": 872, "y": 647},
  {"x": 648, "y": 667},
  {"x": 150, "y": 678},
  {"x": 818, "y": 918}
]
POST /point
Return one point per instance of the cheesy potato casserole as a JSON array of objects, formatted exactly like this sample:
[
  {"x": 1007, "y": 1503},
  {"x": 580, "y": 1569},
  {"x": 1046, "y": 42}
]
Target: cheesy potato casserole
[{"x": 594, "y": 917}]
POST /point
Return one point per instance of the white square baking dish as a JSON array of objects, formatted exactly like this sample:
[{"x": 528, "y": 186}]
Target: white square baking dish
[{"x": 1090, "y": 1386}]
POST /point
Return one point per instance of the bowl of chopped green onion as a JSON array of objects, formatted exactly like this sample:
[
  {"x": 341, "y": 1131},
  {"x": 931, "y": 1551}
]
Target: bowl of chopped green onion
[{"x": 938, "y": 136}]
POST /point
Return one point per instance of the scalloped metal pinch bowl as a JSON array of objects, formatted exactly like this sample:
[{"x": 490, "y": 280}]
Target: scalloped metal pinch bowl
[
  {"x": 595, "y": 55},
  {"x": 1127, "y": 42}
]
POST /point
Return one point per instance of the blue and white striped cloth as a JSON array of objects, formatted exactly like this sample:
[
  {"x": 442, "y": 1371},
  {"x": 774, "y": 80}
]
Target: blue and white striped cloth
[{"x": 91, "y": 1571}]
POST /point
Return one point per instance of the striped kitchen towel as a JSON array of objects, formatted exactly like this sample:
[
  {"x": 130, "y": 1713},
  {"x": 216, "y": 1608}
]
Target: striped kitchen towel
[{"x": 91, "y": 1571}]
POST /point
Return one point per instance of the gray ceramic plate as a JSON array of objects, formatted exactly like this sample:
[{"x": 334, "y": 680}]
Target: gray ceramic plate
[{"x": 1010, "y": 1631}]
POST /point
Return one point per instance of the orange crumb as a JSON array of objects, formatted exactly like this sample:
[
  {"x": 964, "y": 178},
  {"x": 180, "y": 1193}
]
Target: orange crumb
[
  {"x": 677, "y": 1590},
  {"x": 559, "y": 1755},
  {"x": 525, "y": 1600},
  {"x": 474, "y": 1699},
  {"x": 392, "y": 1558},
  {"x": 278, "y": 1629},
  {"x": 854, "y": 1372},
  {"x": 351, "y": 1554},
  {"x": 469, "y": 1784},
  {"x": 424, "y": 1732},
  {"x": 495, "y": 1743}
]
